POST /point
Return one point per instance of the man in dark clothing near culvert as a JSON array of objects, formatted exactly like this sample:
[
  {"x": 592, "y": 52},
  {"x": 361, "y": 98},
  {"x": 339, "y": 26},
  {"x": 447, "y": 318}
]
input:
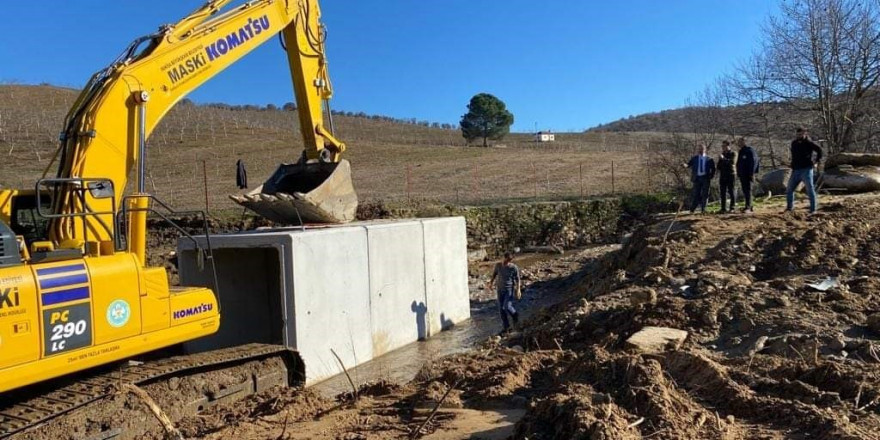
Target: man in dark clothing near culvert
[
  {"x": 747, "y": 166},
  {"x": 509, "y": 280},
  {"x": 702, "y": 171},
  {"x": 802, "y": 166},
  {"x": 727, "y": 176}
]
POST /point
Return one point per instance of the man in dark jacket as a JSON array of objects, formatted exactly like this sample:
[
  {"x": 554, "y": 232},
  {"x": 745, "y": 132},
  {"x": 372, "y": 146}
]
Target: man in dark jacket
[
  {"x": 702, "y": 171},
  {"x": 727, "y": 176},
  {"x": 747, "y": 166},
  {"x": 802, "y": 165}
]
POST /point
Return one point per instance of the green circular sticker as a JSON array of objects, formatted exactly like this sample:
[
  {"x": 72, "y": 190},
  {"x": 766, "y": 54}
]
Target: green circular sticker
[{"x": 118, "y": 313}]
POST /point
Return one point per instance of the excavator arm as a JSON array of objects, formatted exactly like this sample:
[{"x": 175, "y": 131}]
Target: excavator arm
[{"x": 106, "y": 130}]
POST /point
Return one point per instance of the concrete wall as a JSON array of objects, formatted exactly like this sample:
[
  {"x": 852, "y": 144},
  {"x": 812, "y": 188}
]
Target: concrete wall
[
  {"x": 331, "y": 298},
  {"x": 361, "y": 289},
  {"x": 397, "y": 284},
  {"x": 446, "y": 274}
]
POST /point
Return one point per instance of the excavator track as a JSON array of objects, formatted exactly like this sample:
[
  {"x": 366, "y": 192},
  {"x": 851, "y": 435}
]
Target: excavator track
[{"x": 34, "y": 407}]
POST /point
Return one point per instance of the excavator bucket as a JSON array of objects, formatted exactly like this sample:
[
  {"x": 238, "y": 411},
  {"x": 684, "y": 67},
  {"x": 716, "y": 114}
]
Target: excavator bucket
[{"x": 305, "y": 193}]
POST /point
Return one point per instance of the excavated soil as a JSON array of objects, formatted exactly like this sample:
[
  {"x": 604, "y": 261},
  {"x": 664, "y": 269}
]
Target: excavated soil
[{"x": 767, "y": 356}]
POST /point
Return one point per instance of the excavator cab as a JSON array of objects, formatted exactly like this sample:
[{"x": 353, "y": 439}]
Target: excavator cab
[
  {"x": 305, "y": 193},
  {"x": 25, "y": 219}
]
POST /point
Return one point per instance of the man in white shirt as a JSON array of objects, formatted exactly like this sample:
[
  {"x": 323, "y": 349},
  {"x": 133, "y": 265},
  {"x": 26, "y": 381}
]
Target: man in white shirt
[{"x": 702, "y": 171}]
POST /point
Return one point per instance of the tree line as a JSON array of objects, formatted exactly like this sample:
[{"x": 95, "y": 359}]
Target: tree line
[{"x": 290, "y": 106}]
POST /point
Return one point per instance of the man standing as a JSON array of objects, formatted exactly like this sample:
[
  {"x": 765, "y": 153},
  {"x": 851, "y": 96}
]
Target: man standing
[
  {"x": 508, "y": 285},
  {"x": 702, "y": 171},
  {"x": 747, "y": 166},
  {"x": 802, "y": 165},
  {"x": 727, "y": 176}
]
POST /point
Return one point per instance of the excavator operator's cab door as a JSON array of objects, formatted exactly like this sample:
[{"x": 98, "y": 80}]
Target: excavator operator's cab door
[{"x": 25, "y": 218}]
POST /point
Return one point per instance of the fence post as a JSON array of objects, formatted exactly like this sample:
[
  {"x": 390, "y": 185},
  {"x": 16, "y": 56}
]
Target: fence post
[
  {"x": 474, "y": 182},
  {"x": 205, "y": 177},
  {"x": 613, "y": 191},
  {"x": 581, "y": 178},
  {"x": 535, "y": 178},
  {"x": 409, "y": 183}
]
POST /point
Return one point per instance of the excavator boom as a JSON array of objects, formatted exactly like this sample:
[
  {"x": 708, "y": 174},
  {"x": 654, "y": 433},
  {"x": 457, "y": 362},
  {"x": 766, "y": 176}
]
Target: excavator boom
[{"x": 105, "y": 132}]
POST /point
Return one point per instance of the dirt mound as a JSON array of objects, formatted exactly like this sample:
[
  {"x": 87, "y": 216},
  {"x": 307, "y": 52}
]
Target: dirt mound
[
  {"x": 492, "y": 374},
  {"x": 296, "y": 405},
  {"x": 768, "y": 355}
]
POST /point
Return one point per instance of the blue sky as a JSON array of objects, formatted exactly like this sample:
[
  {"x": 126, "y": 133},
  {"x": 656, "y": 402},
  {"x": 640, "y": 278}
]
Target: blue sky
[{"x": 561, "y": 64}]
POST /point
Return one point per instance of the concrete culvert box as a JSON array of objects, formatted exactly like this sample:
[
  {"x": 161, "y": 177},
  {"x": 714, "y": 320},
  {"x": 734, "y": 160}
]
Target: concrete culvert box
[{"x": 360, "y": 289}]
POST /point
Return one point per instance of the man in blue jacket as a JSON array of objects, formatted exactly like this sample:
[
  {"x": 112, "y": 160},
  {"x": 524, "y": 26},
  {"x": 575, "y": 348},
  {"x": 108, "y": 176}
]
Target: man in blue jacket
[
  {"x": 747, "y": 165},
  {"x": 802, "y": 165},
  {"x": 702, "y": 171}
]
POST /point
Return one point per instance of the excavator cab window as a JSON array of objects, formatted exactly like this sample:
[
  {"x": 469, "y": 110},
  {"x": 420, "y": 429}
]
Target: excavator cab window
[{"x": 26, "y": 219}]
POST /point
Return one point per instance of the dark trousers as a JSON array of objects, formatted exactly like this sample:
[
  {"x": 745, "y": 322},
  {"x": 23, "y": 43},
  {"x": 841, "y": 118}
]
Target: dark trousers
[
  {"x": 700, "y": 194},
  {"x": 727, "y": 188},
  {"x": 505, "y": 306},
  {"x": 746, "y": 183}
]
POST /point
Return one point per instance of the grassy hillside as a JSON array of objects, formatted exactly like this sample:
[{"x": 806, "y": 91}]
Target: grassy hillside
[
  {"x": 391, "y": 160},
  {"x": 774, "y": 119}
]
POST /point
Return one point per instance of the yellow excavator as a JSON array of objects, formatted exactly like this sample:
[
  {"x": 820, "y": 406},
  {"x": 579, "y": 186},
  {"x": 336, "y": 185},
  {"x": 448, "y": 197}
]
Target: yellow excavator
[{"x": 75, "y": 289}]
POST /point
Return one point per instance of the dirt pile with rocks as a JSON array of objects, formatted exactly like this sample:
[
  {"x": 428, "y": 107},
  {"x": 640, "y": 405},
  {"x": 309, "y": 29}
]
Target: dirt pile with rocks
[{"x": 770, "y": 352}]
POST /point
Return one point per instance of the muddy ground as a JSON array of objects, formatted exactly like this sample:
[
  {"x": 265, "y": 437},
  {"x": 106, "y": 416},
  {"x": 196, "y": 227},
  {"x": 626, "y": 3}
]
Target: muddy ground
[{"x": 766, "y": 355}]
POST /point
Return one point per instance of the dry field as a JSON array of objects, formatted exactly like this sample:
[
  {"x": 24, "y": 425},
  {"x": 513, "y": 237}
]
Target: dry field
[{"x": 391, "y": 161}]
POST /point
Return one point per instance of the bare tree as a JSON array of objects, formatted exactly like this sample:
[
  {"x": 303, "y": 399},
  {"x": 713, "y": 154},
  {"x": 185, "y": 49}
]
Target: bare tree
[
  {"x": 674, "y": 152},
  {"x": 823, "y": 58},
  {"x": 750, "y": 84}
]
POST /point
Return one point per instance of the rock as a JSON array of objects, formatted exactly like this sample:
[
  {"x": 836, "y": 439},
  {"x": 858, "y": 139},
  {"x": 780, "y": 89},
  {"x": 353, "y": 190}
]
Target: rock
[
  {"x": 477, "y": 255},
  {"x": 173, "y": 383},
  {"x": 745, "y": 325},
  {"x": 853, "y": 159},
  {"x": 723, "y": 280},
  {"x": 517, "y": 348},
  {"x": 709, "y": 317},
  {"x": 781, "y": 301},
  {"x": 599, "y": 398},
  {"x": 874, "y": 323},
  {"x": 758, "y": 346},
  {"x": 519, "y": 401},
  {"x": 837, "y": 343},
  {"x": 852, "y": 179},
  {"x": 776, "y": 181},
  {"x": 643, "y": 296},
  {"x": 657, "y": 339}
]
